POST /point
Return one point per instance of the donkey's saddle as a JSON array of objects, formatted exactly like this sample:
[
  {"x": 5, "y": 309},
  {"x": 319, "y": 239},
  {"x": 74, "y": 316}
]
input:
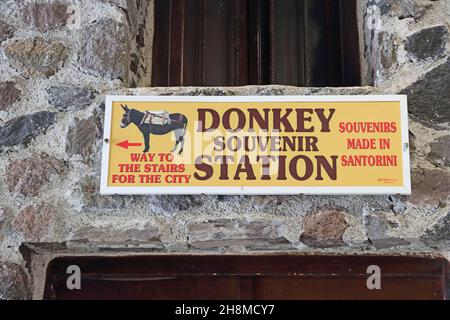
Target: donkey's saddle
[{"x": 159, "y": 118}]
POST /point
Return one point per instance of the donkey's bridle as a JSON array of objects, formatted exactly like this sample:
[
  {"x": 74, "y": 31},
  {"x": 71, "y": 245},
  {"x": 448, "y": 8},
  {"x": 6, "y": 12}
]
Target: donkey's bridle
[{"x": 128, "y": 117}]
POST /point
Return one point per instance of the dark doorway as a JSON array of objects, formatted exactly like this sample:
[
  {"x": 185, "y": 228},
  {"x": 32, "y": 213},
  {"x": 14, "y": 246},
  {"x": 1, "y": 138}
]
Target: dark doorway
[
  {"x": 256, "y": 42},
  {"x": 248, "y": 277}
]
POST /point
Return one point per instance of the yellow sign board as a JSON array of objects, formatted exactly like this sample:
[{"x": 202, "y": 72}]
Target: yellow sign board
[{"x": 256, "y": 145}]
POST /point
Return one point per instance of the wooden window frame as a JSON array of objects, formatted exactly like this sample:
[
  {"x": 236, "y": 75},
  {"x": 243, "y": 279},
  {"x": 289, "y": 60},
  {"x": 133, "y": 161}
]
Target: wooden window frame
[{"x": 266, "y": 42}]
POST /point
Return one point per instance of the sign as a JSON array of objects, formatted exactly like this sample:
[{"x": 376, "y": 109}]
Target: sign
[{"x": 256, "y": 145}]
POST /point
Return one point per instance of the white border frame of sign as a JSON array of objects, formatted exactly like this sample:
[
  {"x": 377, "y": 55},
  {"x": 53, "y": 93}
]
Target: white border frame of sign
[{"x": 404, "y": 190}]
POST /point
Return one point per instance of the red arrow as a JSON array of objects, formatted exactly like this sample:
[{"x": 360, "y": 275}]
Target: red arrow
[{"x": 125, "y": 144}]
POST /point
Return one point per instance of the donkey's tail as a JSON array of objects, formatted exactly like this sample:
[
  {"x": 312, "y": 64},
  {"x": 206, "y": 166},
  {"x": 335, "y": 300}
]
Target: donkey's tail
[
  {"x": 185, "y": 121},
  {"x": 183, "y": 136},
  {"x": 184, "y": 128}
]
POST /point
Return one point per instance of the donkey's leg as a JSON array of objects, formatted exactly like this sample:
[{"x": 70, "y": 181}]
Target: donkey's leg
[
  {"x": 146, "y": 141},
  {"x": 177, "y": 133}
]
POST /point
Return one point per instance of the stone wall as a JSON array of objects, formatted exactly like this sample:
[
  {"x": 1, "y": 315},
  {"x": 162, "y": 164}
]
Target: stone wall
[{"x": 58, "y": 60}]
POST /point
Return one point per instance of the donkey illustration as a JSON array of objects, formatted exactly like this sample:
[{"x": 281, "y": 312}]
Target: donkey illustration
[{"x": 178, "y": 124}]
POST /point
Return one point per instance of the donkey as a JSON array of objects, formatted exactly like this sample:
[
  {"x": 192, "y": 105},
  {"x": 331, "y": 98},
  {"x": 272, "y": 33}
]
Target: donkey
[{"x": 177, "y": 124}]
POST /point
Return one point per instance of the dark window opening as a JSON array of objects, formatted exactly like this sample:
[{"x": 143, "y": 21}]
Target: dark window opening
[
  {"x": 260, "y": 277},
  {"x": 256, "y": 42}
]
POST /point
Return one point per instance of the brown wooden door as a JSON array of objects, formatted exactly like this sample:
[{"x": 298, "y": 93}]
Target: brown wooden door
[{"x": 266, "y": 277}]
